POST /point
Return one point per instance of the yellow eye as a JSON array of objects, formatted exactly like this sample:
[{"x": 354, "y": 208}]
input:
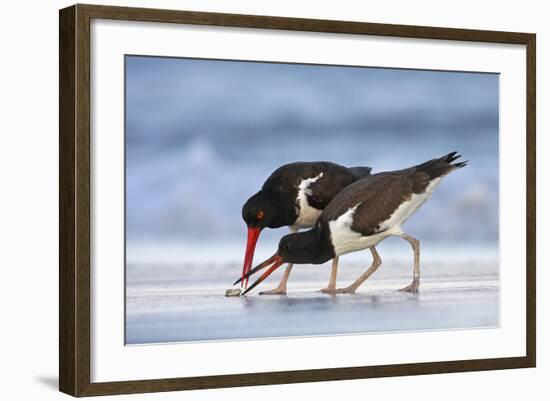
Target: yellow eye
[{"x": 260, "y": 215}]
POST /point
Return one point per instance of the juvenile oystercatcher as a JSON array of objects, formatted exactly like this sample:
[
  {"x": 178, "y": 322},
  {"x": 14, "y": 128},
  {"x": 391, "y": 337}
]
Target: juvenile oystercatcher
[
  {"x": 362, "y": 215},
  {"x": 294, "y": 196}
]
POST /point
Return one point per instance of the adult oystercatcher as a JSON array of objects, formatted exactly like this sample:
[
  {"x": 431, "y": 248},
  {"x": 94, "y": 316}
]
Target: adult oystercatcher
[
  {"x": 294, "y": 195},
  {"x": 362, "y": 215}
]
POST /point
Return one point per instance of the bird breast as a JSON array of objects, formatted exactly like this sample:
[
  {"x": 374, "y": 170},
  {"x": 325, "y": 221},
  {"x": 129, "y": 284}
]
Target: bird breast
[{"x": 307, "y": 214}]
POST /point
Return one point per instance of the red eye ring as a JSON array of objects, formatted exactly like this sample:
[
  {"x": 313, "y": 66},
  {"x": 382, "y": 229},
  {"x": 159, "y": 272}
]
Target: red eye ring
[{"x": 260, "y": 215}]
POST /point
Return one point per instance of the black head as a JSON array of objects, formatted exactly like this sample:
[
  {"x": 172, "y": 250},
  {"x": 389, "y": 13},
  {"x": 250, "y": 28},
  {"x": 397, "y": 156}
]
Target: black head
[
  {"x": 263, "y": 209},
  {"x": 268, "y": 209},
  {"x": 305, "y": 247}
]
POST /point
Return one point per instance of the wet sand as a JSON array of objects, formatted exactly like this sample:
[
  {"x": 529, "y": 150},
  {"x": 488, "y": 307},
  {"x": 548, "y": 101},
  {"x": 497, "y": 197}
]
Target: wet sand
[{"x": 172, "y": 303}]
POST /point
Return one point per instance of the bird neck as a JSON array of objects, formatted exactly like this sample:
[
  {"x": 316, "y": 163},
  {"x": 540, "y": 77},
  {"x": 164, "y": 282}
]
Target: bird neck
[{"x": 314, "y": 247}]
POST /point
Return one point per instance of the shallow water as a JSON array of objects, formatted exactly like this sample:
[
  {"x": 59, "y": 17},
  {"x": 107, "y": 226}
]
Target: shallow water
[{"x": 166, "y": 303}]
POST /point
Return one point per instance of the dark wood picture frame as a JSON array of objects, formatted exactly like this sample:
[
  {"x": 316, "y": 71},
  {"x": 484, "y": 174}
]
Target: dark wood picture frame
[{"x": 74, "y": 199}]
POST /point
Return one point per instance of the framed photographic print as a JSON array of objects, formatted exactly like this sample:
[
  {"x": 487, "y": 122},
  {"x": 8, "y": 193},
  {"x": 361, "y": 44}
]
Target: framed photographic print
[{"x": 339, "y": 200}]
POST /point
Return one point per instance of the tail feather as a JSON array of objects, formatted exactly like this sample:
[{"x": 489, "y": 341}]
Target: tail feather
[
  {"x": 361, "y": 171},
  {"x": 451, "y": 157},
  {"x": 461, "y": 164},
  {"x": 439, "y": 167}
]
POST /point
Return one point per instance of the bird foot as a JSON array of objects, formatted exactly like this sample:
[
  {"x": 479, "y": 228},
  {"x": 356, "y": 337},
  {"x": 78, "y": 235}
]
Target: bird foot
[
  {"x": 412, "y": 287},
  {"x": 328, "y": 290},
  {"x": 275, "y": 291},
  {"x": 346, "y": 290}
]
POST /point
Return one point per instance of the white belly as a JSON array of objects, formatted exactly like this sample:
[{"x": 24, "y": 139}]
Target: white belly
[{"x": 345, "y": 240}]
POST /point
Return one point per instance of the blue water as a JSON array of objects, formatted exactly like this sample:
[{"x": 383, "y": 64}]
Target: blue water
[{"x": 202, "y": 136}]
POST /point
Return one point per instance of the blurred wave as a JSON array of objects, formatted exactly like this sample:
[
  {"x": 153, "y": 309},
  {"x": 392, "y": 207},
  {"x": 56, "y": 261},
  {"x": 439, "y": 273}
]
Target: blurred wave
[{"x": 202, "y": 136}]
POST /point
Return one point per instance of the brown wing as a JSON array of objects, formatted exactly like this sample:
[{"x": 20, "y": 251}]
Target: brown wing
[
  {"x": 378, "y": 196},
  {"x": 335, "y": 178},
  {"x": 384, "y": 198}
]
